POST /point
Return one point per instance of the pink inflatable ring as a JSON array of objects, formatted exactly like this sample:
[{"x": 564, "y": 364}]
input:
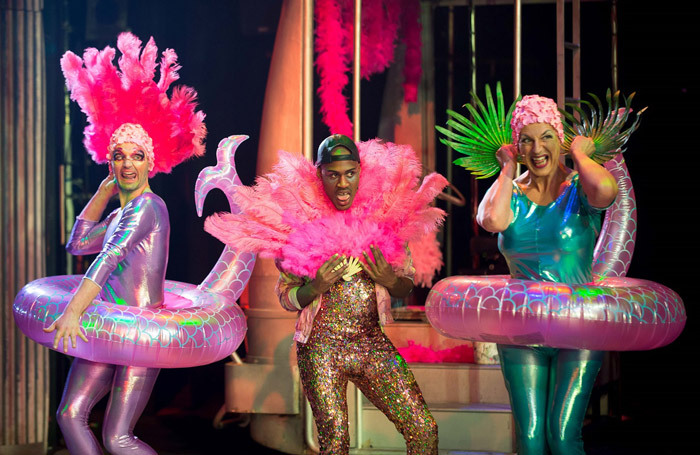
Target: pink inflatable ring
[
  {"x": 196, "y": 325},
  {"x": 616, "y": 314},
  {"x": 612, "y": 313},
  {"x": 193, "y": 327}
]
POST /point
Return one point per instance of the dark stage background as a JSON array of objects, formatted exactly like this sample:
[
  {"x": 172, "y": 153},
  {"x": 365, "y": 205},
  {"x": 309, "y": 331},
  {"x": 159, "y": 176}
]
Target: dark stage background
[{"x": 225, "y": 49}]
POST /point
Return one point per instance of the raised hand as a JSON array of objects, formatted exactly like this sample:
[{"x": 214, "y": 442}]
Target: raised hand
[
  {"x": 98, "y": 202},
  {"x": 507, "y": 157},
  {"x": 108, "y": 186},
  {"x": 582, "y": 144}
]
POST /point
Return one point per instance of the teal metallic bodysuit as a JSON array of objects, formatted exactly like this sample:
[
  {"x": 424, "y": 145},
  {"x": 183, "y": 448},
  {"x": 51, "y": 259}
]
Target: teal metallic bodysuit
[
  {"x": 549, "y": 388},
  {"x": 551, "y": 242}
]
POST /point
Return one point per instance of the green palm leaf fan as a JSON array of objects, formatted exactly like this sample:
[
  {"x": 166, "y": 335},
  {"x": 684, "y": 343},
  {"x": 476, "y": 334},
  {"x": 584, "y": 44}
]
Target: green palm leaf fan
[
  {"x": 480, "y": 138},
  {"x": 604, "y": 127}
]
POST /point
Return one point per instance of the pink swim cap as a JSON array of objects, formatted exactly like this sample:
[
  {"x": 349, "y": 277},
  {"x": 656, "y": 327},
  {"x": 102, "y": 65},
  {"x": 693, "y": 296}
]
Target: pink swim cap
[
  {"x": 134, "y": 133},
  {"x": 536, "y": 109}
]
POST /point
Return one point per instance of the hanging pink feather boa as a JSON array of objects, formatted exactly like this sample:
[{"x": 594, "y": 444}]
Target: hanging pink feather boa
[
  {"x": 382, "y": 20},
  {"x": 287, "y": 216}
]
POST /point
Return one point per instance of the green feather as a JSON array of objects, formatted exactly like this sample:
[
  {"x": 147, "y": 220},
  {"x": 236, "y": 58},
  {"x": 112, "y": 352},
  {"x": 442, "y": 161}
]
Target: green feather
[
  {"x": 480, "y": 136},
  {"x": 603, "y": 126}
]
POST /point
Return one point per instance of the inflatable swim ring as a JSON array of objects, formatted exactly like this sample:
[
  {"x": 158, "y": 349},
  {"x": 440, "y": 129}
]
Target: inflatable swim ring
[
  {"x": 196, "y": 324},
  {"x": 611, "y": 313}
]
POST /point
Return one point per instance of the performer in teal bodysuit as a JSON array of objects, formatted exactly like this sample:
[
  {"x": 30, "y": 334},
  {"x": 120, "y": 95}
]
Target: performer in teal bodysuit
[
  {"x": 548, "y": 220},
  {"x": 552, "y": 242}
]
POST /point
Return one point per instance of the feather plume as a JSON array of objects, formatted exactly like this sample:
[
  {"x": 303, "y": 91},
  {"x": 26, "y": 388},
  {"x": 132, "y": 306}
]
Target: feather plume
[
  {"x": 427, "y": 259},
  {"x": 604, "y": 127},
  {"x": 480, "y": 138},
  {"x": 288, "y": 216},
  {"x": 249, "y": 235},
  {"x": 383, "y": 23},
  {"x": 112, "y": 96},
  {"x": 168, "y": 69}
]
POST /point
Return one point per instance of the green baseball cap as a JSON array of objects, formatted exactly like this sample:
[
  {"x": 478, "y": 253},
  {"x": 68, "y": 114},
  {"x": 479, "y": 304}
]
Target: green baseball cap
[{"x": 325, "y": 150}]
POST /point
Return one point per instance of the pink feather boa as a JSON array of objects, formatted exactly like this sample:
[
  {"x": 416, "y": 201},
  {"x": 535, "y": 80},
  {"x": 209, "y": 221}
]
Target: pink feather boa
[
  {"x": 417, "y": 353},
  {"x": 287, "y": 215},
  {"x": 383, "y": 21}
]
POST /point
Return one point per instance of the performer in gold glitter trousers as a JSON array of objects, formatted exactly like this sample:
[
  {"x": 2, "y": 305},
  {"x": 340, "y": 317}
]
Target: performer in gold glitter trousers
[{"x": 339, "y": 338}]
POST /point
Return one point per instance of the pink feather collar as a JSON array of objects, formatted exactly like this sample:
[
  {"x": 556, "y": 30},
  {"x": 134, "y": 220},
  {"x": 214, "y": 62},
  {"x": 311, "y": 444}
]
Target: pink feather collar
[{"x": 286, "y": 215}]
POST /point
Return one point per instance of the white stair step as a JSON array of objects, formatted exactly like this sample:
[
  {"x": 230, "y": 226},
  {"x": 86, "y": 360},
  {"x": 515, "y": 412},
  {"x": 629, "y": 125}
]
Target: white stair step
[
  {"x": 471, "y": 427},
  {"x": 460, "y": 383},
  {"x": 464, "y": 428}
]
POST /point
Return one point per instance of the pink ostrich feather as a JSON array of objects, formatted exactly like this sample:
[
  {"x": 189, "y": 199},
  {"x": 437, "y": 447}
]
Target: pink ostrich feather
[
  {"x": 112, "y": 96},
  {"x": 427, "y": 259},
  {"x": 286, "y": 215},
  {"x": 311, "y": 244},
  {"x": 383, "y": 23}
]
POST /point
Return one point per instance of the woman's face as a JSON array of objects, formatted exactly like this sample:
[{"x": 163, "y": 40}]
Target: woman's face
[{"x": 539, "y": 148}]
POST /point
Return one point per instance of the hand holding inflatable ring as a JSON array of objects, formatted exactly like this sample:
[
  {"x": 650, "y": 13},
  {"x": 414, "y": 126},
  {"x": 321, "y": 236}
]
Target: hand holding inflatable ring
[{"x": 196, "y": 324}]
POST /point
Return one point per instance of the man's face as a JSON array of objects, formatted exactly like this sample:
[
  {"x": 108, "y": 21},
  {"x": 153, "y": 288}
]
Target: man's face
[
  {"x": 131, "y": 166},
  {"x": 340, "y": 182}
]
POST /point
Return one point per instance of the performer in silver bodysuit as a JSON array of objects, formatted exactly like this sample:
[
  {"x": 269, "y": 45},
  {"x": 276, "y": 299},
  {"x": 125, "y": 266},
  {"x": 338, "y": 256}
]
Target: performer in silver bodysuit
[
  {"x": 137, "y": 141},
  {"x": 132, "y": 243}
]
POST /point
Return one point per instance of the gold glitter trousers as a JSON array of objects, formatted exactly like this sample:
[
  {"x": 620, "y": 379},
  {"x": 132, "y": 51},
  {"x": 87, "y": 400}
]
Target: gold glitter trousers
[{"x": 347, "y": 344}]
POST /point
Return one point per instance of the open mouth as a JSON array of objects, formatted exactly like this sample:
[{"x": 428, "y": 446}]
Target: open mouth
[
  {"x": 540, "y": 161},
  {"x": 343, "y": 198},
  {"x": 129, "y": 176}
]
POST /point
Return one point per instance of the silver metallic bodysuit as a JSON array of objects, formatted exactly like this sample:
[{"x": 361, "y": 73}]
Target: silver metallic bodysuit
[{"x": 130, "y": 268}]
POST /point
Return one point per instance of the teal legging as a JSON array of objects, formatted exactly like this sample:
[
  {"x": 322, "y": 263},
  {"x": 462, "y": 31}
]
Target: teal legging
[{"x": 549, "y": 391}]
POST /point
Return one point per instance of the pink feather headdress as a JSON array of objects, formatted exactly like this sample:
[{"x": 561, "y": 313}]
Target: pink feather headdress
[
  {"x": 383, "y": 22},
  {"x": 112, "y": 97},
  {"x": 287, "y": 215}
]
